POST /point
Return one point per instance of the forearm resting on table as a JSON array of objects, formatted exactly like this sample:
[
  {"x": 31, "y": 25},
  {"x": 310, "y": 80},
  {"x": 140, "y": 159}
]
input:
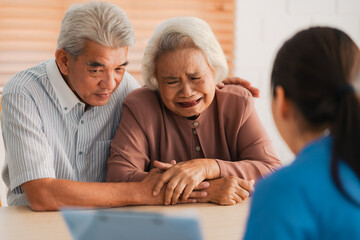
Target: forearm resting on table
[
  {"x": 52, "y": 194},
  {"x": 125, "y": 175}
]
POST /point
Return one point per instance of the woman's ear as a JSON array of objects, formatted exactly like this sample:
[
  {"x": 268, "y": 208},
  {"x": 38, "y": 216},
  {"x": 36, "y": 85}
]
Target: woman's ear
[
  {"x": 63, "y": 61},
  {"x": 282, "y": 104}
]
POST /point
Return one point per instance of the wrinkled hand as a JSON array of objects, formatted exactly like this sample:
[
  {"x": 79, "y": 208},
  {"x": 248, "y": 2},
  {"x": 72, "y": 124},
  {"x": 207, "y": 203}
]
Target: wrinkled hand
[
  {"x": 239, "y": 81},
  {"x": 147, "y": 186},
  {"x": 164, "y": 166},
  {"x": 228, "y": 190},
  {"x": 184, "y": 177}
]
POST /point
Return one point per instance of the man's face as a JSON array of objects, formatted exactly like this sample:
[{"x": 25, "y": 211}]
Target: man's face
[{"x": 95, "y": 74}]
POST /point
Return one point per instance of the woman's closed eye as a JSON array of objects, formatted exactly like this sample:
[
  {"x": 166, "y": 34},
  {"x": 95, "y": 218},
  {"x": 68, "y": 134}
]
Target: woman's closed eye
[{"x": 172, "y": 82}]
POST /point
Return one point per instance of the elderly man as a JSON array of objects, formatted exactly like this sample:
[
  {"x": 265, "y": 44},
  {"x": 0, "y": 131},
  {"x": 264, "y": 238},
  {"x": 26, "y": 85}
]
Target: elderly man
[{"x": 58, "y": 117}]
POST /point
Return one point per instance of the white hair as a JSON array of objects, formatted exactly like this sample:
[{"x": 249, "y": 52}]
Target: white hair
[
  {"x": 179, "y": 33},
  {"x": 101, "y": 22}
]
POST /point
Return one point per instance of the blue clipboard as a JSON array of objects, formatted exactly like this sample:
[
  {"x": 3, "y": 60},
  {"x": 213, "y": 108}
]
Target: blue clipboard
[{"x": 111, "y": 224}]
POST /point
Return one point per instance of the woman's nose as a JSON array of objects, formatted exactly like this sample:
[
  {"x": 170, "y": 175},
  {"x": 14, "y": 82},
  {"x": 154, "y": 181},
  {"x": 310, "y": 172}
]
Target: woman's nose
[{"x": 187, "y": 90}]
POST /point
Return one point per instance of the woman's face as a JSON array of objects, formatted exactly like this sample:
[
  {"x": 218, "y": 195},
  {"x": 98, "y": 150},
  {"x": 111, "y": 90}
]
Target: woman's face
[{"x": 186, "y": 81}]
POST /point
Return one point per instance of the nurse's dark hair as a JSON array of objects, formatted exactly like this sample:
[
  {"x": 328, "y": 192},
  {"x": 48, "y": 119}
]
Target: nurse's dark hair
[{"x": 319, "y": 70}]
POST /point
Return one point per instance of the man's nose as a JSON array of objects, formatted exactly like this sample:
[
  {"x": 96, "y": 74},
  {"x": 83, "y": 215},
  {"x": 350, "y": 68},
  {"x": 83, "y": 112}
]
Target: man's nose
[{"x": 108, "y": 81}]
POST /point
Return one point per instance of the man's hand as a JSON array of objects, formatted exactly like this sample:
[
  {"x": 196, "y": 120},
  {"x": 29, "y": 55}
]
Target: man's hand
[
  {"x": 184, "y": 177},
  {"x": 154, "y": 176},
  {"x": 239, "y": 81},
  {"x": 228, "y": 190},
  {"x": 147, "y": 186}
]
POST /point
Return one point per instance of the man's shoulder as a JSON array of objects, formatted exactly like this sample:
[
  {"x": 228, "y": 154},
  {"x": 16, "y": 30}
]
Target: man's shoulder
[
  {"x": 127, "y": 85},
  {"x": 22, "y": 79}
]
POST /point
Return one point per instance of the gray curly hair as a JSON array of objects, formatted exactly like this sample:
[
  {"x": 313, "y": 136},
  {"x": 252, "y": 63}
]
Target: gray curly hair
[{"x": 179, "y": 33}]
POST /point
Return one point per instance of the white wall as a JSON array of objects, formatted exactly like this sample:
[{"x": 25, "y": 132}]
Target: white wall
[{"x": 261, "y": 27}]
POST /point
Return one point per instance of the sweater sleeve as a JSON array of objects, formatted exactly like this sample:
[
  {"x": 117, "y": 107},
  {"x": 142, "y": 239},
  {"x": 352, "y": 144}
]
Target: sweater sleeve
[
  {"x": 128, "y": 161},
  {"x": 256, "y": 156}
]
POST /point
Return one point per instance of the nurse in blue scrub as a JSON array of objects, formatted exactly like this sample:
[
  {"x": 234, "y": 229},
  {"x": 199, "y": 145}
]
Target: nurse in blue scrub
[{"x": 315, "y": 104}]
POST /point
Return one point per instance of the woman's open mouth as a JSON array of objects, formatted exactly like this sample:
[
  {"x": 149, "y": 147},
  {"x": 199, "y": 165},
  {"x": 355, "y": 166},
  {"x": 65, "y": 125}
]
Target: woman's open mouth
[{"x": 190, "y": 104}]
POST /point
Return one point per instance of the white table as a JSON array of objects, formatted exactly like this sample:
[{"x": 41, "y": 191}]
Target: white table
[{"x": 217, "y": 222}]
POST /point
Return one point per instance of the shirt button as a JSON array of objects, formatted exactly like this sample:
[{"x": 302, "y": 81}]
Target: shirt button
[
  {"x": 196, "y": 124},
  {"x": 197, "y": 148},
  {"x": 65, "y": 108},
  {"x": 194, "y": 132},
  {"x": 80, "y": 153}
]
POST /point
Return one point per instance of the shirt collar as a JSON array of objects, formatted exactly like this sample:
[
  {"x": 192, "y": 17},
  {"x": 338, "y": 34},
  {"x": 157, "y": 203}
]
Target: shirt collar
[{"x": 66, "y": 96}]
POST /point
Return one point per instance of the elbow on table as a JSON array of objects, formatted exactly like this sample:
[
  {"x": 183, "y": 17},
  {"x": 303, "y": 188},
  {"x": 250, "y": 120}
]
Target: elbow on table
[
  {"x": 39, "y": 206},
  {"x": 43, "y": 202},
  {"x": 276, "y": 165},
  {"x": 40, "y": 196},
  {"x": 272, "y": 165}
]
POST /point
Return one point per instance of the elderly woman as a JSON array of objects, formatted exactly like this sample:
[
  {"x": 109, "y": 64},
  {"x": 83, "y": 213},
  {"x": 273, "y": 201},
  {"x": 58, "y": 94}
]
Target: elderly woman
[{"x": 180, "y": 116}]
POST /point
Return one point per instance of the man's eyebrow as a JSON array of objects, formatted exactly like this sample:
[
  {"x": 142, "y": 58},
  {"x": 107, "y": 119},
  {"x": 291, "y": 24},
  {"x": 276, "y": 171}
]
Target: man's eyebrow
[
  {"x": 124, "y": 64},
  {"x": 95, "y": 64}
]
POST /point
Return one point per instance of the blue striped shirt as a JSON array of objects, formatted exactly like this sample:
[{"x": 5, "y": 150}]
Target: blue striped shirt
[{"x": 48, "y": 134}]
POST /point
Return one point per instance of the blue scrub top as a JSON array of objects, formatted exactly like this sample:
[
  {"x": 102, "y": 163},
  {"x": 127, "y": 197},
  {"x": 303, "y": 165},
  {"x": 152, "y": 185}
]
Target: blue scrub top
[{"x": 301, "y": 201}]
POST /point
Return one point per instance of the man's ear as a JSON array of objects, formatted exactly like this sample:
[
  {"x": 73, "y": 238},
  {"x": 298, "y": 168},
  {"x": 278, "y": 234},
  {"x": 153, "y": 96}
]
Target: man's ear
[
  {"x": 282, "y": 105},
  {"x": 63, "y": 61}
]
